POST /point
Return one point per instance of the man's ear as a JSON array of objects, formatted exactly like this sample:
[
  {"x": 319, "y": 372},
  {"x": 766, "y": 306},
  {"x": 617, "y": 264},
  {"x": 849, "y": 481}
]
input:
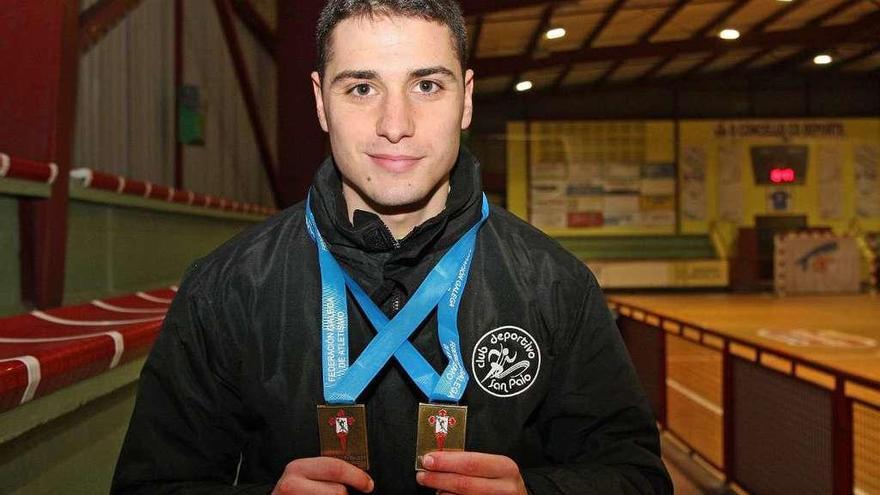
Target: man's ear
[
  {"x": 468, "y": 112},
  {"x": 319, "y": 100}
]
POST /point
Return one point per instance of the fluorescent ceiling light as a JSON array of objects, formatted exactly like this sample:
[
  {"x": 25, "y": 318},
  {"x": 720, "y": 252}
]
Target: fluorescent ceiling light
[
  {"x": 524, "y": 85},
  {"x": 729, "y": 34},
  {"x": 555, "y": 33}
]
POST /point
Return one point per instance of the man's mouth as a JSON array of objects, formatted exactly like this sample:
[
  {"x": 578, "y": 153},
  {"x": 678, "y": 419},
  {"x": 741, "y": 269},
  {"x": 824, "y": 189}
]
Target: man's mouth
[{"x": 395, "y": 162}]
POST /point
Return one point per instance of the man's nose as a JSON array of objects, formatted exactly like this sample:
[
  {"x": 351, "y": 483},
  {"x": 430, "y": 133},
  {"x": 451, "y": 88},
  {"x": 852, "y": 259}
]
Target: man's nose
[{"x": 396, "y": 119}]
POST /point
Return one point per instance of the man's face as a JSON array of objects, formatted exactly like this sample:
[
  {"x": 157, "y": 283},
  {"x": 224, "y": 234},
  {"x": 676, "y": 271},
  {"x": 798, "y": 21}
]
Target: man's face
[{"x": 394, "y": 101}]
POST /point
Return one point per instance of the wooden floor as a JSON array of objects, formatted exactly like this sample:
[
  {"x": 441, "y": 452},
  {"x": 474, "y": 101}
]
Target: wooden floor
[{"x": 837, "y": 331}]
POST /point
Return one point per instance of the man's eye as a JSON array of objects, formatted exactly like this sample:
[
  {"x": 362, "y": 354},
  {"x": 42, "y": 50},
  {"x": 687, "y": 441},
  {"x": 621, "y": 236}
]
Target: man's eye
[
  {"x": 362, "y": 89},
  {"x": 428, "y": 87}
]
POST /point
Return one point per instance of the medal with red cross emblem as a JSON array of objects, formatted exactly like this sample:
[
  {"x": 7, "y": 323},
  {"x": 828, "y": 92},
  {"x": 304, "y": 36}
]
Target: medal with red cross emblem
[
  {"x": 441, "y": 427},
  {"x": 343, "y": 433}
]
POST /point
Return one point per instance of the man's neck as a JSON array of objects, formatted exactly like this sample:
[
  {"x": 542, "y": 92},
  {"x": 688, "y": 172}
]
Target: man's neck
[{"x": 399, "y": 220}]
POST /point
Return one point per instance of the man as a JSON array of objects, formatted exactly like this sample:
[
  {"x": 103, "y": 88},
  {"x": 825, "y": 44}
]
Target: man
[{"x": 228, "y": 395}]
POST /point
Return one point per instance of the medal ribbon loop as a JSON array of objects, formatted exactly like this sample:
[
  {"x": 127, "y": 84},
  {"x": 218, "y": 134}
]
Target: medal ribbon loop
[{"x": 442, "y": 288}]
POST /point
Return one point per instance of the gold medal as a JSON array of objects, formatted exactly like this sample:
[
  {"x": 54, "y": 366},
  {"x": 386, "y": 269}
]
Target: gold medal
[
  {"x": 343, "y": 433},
  {"x": 441, "y": 427}
]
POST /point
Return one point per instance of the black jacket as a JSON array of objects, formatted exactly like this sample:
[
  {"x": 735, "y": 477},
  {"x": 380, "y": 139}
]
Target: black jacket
[{"x": 230, "y": 388}]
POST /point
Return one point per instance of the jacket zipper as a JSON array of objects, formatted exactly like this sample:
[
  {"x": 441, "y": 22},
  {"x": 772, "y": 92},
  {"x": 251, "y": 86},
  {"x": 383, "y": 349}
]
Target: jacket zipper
[
  {"x": 395, "y": 302},
  {"x": 394, "y": 242}
]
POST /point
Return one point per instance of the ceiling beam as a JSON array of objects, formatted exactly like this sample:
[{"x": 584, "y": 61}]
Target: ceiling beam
[
  {"x": 656, "y": 68},
  {"x": 256, "y": 24},
  {"x": 816, "y": 21},
  {"x": 833, "y": 11},
  {"x": 807, "y": 36},
  {"x": 804, "y": 55},
  {"x": 608, "y": 73},
  {"x": 700, "y": 65},
  {"x": 707, "y": 30},
  {"x": 868, "y": 25},
  {"x": 858, "y": 58},
  {"x": 665, "y": 18},
  {"x": 775, "y": 16},
  {"x": 603, "y": 23},
  {"x": 533, "y": 42},
  {"x": 791, "y": 62},
  {"x": 590, "y": 38},
  {"x": 656, "y": 28},
  {"x": 100, "y": 18},
  {"x": 719, "y": 19},
  {"x": 747, "y": 61},
  {"x": 660, "y": 83},
  {"x": 561, "y": 76},
  {"x": 543, "y": 24}
]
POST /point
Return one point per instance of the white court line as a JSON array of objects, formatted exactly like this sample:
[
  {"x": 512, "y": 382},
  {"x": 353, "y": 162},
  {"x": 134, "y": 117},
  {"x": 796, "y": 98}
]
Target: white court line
[
  {"x": 690, "y": 394},
  {"x": 120, "y": 309},
  {"x": 33, "y": 371},
  {"x": 147, "y": 297},
  {"x": 98, "y": 323}
]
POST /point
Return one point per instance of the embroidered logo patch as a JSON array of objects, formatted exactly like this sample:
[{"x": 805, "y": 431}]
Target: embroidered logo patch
[{"x": 506, "y": 361}]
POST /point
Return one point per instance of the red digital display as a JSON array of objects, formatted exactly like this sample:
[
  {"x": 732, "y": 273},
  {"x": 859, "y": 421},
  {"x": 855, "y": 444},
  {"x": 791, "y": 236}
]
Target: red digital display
[{"x": 782, "y": 175}]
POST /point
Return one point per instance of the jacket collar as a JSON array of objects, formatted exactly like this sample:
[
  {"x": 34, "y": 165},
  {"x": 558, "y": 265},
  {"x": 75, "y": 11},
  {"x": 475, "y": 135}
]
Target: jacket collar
[{"x": 368, "y": 242}]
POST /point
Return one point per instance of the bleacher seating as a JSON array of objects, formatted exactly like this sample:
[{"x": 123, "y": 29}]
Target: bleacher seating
[{"x": 43, "y": 351}]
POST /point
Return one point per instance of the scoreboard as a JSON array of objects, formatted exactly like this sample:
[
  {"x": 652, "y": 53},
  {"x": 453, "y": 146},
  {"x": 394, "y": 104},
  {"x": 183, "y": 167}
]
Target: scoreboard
[{"x": 779, "y": 164}]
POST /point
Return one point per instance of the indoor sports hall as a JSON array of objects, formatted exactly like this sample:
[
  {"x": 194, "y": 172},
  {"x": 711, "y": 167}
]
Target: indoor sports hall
[{"x": 714, "y": 163}]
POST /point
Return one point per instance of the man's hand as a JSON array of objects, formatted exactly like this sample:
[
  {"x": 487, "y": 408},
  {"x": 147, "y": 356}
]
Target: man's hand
[
  {"x": 465, "y": 473},
  {"x": 322, "y": 476}
]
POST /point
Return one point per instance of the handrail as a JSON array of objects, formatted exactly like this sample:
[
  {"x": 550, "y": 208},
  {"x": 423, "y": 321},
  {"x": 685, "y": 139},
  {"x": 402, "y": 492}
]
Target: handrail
[
  {"x": 825, "y": 368},
  {"x": 94, "y": 179},
  {"x": 12, "y": 167}
]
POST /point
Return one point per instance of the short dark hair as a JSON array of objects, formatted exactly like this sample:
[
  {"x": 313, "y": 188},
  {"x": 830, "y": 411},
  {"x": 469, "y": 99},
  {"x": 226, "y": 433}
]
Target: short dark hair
[{"x": 446, "y": 12}]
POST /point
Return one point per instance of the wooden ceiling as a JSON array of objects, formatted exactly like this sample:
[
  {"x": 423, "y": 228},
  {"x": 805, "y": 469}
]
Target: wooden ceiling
[
  {"x": 643, "y": 41},
  {"x": 626, "y": 42}
]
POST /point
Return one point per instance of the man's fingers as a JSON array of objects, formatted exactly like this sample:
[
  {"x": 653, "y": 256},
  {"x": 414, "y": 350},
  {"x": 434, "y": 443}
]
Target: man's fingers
[
  {"x": 297, "y": 486},
  {"x": 334, "y": 470},
  {"x": 471, "y": 464},
  {"x": 460, "y": 484}
]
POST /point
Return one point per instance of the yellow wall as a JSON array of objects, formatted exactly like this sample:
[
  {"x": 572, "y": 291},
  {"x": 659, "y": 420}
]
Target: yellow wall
[
  {"x": 572, "y": 150},
  {"x": 828, "y": 141},
  {"x": 704, "y": 148}
]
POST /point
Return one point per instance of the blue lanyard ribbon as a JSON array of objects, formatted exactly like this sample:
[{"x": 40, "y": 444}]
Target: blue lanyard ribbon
[{"x": 442, "y": 288}]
